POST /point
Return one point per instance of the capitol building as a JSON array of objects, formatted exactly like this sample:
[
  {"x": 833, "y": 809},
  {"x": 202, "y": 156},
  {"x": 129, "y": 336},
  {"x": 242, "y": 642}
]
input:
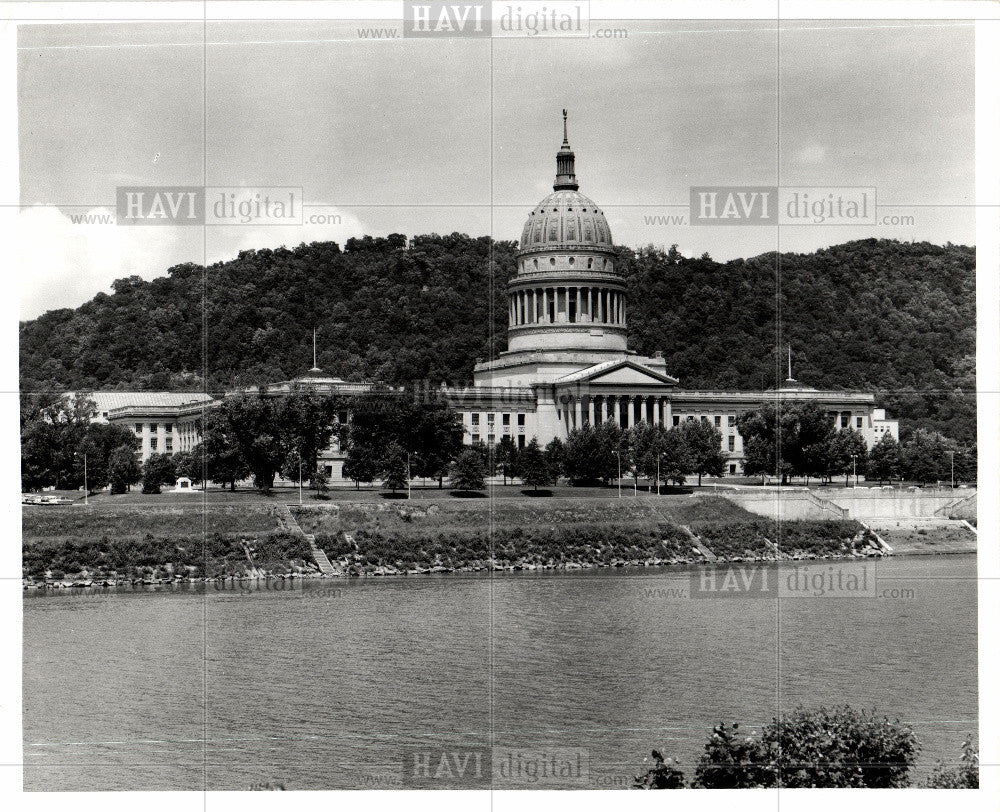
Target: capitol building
[{"x": 567, "y": 362}]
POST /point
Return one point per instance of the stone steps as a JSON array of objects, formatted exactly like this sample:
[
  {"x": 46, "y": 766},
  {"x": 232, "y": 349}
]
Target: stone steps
[{"x": 320, "y": 557}]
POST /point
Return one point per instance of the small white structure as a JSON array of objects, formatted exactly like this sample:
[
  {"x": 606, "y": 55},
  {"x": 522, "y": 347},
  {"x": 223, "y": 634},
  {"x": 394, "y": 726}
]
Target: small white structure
[{"x": 183, "y": 485}]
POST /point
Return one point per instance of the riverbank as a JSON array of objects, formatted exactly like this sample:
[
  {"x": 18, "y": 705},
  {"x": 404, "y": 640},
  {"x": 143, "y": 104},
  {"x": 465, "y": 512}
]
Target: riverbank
[{"x": 120, "y": 544}]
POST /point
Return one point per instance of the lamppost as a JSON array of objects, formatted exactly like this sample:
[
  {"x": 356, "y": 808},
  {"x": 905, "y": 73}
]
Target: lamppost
[
  {"x": 407, "y": 474},
  {"x": 952, "y": 469},
  {"x": 854, "y": 462},
  {"x": 300, "y": 478},
  {"x": 619, "y": 455},
  {"x": 86, "y": 490}
]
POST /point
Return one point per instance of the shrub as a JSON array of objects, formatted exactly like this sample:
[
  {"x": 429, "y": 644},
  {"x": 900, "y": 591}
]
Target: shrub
[
  {"x": 811, "y": 748},
  {"x": 664, "y": 774},
  {"x": 965, "y": 776}
]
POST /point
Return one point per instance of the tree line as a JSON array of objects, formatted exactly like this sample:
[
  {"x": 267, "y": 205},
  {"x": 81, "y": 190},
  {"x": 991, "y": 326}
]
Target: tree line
[
  {"x": 393, "y": 437},
  {"x": 891, "y": 317}
]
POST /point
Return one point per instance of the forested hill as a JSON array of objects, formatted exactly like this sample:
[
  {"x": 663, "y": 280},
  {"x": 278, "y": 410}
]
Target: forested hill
[{"x": 894, "y": 317}]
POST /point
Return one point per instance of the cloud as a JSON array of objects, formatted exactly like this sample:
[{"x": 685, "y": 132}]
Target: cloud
[{"x": 65, "y": 263}]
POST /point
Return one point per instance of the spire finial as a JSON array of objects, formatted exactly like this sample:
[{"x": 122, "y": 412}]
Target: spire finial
[{"x": 565, "y": 163}]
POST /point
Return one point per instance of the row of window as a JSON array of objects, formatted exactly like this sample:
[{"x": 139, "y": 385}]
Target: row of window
[
  {"x": 168, "y": 445},
  {"x": 491, "y": 439},
  {"x": 491, "y": 418},
  {"x": 154, "y": 427}
]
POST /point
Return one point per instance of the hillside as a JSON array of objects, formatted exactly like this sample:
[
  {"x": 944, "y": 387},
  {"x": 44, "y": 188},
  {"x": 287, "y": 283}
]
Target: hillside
[{"x": 898, "y": 318}]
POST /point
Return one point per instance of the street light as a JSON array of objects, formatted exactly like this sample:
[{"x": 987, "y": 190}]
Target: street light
[
  {"x": 86, "y": 490},
  {"x": 854, "y": 462},
  {"x": 407, "y": 474},
  {"x": 952, "y": 469},
  {"x": 300, "y": 479},
  {"x": 619, "y": 455}
]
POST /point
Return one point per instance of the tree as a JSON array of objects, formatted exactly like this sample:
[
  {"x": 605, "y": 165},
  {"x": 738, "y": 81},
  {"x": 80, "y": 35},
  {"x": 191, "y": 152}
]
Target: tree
[
  {"x": 506, "y": 457},
  {"x": 188, "y": 464},
  {"x": 123, "y": 469},
  {"x": 704, "y": 443},
  {"x": 675, "y": 456},
  {"x": 394, "y": 468},
  {"x": 434, "y": 435},
  {"x": 221, "y": 454},
  {"x": 847, "y": 452},
  {"x": 361, "y": 464},
  {"x": 254, "y": 430},
  {"x": 808, "y": 440},
  {"x": 926, "y": 457},
  {"x": 555, "y": 457},
  {"x": 305, "y": 425},
  {"x": 534, "y": 468},
  {"x": 468, "y": 472},
  {"x": 759, "y": 429},
  {"x": 158, "y": 470},
  {"x": 883, "y": 461}
]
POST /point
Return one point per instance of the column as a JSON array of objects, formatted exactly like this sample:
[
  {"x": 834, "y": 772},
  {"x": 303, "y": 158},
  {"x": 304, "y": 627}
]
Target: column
[
  {"x": 579, "y": 304},
  {"x": 578, "y": 411},
  {"x": 545, "y": 305},
  {"x": 591, "y": 412},
  {"x": 668, "y": 418}
]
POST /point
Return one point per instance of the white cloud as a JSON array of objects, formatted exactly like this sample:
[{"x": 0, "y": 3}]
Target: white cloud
[{"x": 64, "y": 263}]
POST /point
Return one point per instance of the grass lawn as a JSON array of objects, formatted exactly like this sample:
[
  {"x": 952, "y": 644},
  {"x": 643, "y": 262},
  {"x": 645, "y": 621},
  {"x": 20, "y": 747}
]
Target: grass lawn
[{"x": 123, "y": 520}]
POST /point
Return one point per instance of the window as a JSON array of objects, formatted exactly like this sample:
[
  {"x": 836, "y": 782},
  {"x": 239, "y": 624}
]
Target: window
[
  {"x": 138, "y": 428},
  {"x": 168, "y": 428},
  {"x": 342, "y": 418},
  {"x": 845, "y": 420},
  {"x": 520, "y": 420},
  {"x": 153, "y": 427},
  {"x": 732, "y": 443},
  {"x": 732, "y": 469},
  {"x": 475, "y": 418},
  {"x": 860, "y": 422},
  {"x": 677, "y": 419},
  {"x": 475, "y": 439},
  {"x": 491, "y": 439},
  {"x": 732, "y": 420},
  {"x": 506, "y": 418},
  {"x": 520, "y": 441},
  {"x": 104, "y": 415},
  {"x": 718, "y": 420},
  {"x": 491, "y": 418},
  {"x": 169, "y": 446},
  {"x": 152, "y": 444}
]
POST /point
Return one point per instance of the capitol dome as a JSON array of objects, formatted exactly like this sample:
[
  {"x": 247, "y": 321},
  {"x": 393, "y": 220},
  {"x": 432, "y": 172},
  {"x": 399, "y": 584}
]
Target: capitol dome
[
  {"x": 565, "y": 218},
  {"x": 566, "y": 294}
]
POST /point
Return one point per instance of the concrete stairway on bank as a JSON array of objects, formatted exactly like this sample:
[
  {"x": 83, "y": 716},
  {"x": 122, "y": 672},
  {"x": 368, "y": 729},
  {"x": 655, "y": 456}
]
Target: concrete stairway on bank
[{"x": 320, "y": 557}]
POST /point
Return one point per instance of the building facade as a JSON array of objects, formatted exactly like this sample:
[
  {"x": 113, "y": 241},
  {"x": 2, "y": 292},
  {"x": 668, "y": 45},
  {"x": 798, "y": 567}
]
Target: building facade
[{"x": 567, "y": 362}]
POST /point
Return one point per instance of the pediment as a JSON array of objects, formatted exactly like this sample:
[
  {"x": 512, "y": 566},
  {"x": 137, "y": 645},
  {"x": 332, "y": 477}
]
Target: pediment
[{"x": 619, "y": 373}]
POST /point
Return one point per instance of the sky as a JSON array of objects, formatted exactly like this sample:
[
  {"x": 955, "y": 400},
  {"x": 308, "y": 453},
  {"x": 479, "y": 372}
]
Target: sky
[{"x": 442, "y": 135}]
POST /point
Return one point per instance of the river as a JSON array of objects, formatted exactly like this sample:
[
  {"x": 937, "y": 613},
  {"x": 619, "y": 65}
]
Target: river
[{"x": 332, "y": 684}]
